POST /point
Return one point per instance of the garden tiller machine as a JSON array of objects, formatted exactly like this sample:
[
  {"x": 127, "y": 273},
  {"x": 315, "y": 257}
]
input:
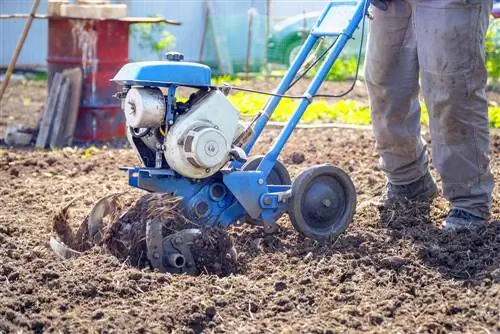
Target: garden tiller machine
[{"x": 199, "y": 149}]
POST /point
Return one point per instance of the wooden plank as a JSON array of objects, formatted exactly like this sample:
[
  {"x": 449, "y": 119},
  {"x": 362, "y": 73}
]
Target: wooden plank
[
  {"x": 75, "y": 78},
  {"x": 123, "y": 19},
  {"x": 58, "y": 125},
  {"x": 48, "y": 114},
  {"x": 54, "y": 7},
  {"x": 87, "y": 11}
]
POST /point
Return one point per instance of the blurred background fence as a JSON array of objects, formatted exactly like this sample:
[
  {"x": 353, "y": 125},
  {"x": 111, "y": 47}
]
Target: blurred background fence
[{"x": 230, "y": 36}]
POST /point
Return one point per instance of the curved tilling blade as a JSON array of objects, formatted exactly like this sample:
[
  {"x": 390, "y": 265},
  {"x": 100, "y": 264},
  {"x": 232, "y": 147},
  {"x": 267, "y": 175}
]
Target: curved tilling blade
[{"x": 151, "y": 232}]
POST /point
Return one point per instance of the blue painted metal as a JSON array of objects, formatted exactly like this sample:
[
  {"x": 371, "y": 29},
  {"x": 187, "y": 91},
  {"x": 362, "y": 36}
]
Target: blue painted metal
[
  {"x": 247, "y": 191},
  {"x": 223, "y": 210},
  {"x": 214, "y": 207},
  {"x": 273, "y": 102},
  {"x": 270, "y": 158},
  {"x": 164, "y": 74},
  {"x": 247, "y": 187},
  {"x": 306, "y": 49}
]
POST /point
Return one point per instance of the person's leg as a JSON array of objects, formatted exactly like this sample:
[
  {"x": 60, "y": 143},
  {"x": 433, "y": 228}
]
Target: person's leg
[
  {"x": 450, "y": 43},
  {"x": 391, "y": 76}
]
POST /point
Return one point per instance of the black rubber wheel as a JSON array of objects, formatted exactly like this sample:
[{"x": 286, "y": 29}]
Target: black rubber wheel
[
  {"x": 279, "y": 174},
  {"x": 323, "y": 202}
]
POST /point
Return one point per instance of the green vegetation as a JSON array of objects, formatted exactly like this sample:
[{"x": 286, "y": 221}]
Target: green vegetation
[
  {"x": 342, "y": 111},
  {"x": 494, "y": 113},
  {"x": 154, "y": 37},
  {"x": 493, "y": 51},
  {"x": 37, "y": 76},
  {"x": 344, "y": 69},
  {"x": 345, "y": 111}
]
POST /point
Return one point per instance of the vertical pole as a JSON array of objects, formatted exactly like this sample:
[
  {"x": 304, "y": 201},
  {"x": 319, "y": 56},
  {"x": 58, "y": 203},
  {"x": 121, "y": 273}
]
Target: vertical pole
[
  {"x": 205, "y": 30},
  {"x": 267, "y": 30},
  {"x": 20, "y": 44},
  {"x": 251, "y": 13},
  {"x": 303, "y": 33}
]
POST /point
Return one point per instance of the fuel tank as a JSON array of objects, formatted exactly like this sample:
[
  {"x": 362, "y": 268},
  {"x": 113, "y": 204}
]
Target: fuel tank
[{"x": 164, "y": 73}]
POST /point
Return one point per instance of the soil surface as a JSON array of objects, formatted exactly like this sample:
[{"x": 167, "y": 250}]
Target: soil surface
[
  {"x": 392, "y": 271},
  {"x": 388, "y": 272}
]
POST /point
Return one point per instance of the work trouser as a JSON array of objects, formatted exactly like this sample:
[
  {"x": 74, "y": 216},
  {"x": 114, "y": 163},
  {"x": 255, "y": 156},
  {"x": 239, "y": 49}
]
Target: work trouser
[{"x": 444, "y": 42}]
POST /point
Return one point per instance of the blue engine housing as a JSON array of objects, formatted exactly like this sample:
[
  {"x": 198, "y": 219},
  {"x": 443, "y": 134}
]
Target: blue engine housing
[{"x": 164, "y": 74}]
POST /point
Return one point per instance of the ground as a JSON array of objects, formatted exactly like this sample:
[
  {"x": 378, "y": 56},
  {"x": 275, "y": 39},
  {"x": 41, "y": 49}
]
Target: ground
[{"x": 390, "y": 272}]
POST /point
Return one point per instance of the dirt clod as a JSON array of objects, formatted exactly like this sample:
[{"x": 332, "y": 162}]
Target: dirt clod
[
  {"x": 14, "y": 171},
  {"x": 280, "y": 286},
  {"x": 298, "y": 158}
]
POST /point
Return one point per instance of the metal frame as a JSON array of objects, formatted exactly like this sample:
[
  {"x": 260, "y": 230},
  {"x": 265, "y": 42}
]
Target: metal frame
[{"x": 248, "y": 193}]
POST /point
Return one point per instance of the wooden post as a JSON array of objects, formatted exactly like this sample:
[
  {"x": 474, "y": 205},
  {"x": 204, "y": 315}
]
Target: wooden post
[
  {"x": 20, "y": 44},
  {"x": 205, "y": 30},
  {"x": 268, "y": 29},
  {"x": 251, "y": 13}
]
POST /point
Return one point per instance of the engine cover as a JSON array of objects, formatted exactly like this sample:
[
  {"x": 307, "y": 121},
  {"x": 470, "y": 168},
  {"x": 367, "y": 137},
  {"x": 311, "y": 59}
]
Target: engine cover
[
  {"x": 205, "y": 146},
  {"x": 144, "y": 107},
  {"x": 199, "y": 142}
]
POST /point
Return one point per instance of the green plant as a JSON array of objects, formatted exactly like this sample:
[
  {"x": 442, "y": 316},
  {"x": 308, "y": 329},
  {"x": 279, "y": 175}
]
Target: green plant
[
  {"x": 493, "y": 50},
  {"x": 343, "y": 111},
  {"x": 37, "y": 76},
  {"x": 225, "y": 79},
  {"x": 153, "y": 37},
  {"x": 343, "y": 69},
  {"x": 494, "y": 114}
]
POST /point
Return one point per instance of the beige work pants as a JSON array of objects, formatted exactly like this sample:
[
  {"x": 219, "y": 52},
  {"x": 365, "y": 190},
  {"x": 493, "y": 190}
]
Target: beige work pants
[{"x": 442, "y": 43}]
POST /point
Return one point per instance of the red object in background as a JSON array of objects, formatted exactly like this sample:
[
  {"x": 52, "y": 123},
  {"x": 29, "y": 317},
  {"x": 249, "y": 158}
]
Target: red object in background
[
  {"x": 496, "y": 10},
  {"x": 100, "y": 49}
]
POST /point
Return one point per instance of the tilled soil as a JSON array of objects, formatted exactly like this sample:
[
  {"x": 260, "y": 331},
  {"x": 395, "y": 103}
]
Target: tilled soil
[{"x": 393, "y": 271}]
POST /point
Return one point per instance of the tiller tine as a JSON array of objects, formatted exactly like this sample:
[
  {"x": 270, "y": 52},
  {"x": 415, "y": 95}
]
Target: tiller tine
[
  {"x": 103, "y": 207},
  {"x": 62, "y": 251}
]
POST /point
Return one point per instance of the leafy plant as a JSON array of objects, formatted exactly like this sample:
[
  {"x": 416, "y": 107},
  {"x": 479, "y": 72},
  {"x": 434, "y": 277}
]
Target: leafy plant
[
  {"x": 229, "y": 79},
  {"x": 343, "y": 69},
  {"x": 154, "y": 37},
  {"x": 494, "y": 113},
  {"x": 493, "y": 50},
  {"x": 343, "y": 111}
]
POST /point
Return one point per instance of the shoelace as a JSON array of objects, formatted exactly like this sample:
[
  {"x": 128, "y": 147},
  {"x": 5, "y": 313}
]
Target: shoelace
[
  {"x": 399, "y": 188},
  {"x": 461, "y": 214}
]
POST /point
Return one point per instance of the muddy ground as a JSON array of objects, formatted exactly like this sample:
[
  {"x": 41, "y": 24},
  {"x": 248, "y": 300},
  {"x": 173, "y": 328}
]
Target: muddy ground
[{"x": 391, "y": 272}]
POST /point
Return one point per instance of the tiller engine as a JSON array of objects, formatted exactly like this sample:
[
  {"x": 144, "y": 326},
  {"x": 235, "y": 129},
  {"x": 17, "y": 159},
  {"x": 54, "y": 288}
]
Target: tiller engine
[{"x": 199, "y": 150}]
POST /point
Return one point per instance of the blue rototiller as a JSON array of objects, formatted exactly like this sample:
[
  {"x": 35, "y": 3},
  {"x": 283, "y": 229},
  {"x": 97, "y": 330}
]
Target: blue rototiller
[{"x": 200, "y": 150}]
